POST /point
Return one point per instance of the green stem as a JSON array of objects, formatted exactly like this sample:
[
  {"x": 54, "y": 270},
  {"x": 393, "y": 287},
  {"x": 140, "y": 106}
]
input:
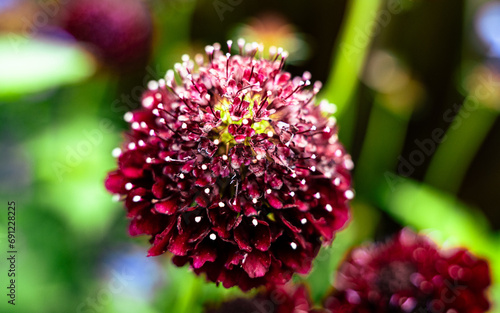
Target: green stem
[
  {"x": 186, "y": 293},
  {"x": 458, "y": 148},
  {"x": 383, "y": 142},
  {"x": 357, "y": 33}
]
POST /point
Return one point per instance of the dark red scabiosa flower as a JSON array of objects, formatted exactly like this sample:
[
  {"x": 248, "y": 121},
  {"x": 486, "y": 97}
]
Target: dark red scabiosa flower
[
  {"x": 119, "y": 31},
  {"x": 233, "y": 169},
  {"x": 282, "y": 299},
  {"x": 410, "y": 274}
]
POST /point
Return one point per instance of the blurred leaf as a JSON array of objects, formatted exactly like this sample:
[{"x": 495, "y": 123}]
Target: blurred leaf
[
  {"x": 33, "y": 65},
  {"x": 423, "y": 207},
  {"x": 71, "y": 162}
]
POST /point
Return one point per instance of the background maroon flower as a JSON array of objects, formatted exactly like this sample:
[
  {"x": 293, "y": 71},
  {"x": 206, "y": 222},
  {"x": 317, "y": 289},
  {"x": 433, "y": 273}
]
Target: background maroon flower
[
  {"x": 409, "y": 274},
  {"x": 233, "y": 169},
  {"x": 118, "y": 31},
  {"x": 282, "y": 299}
]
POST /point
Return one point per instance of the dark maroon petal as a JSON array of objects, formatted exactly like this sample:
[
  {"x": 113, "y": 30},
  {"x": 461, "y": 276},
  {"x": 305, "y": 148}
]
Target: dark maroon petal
[
  {"x": 166, "y": 207},
  {"x": 257, "y": 263},
  {"x": 115, "y": 182},
  {"x": 204, "y": 253}
]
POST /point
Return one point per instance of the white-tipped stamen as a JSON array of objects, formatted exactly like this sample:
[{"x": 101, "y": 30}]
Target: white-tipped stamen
[
  {"x": 116, "y": 152},
  {"x": 128, "y": 117},
  {"x": 349, "y": 194}
]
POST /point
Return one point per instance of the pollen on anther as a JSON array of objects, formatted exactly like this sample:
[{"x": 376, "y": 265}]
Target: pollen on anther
[
  {"x": 151, "y": 132},
  {"x": 148, "y": 101},
  {"x": 269, "y": 191},
  {"x": 303, "y": 221},
  {"x": 184, "y": 126},
  {"x": 204, "y": 167},
  {"x": 116, "y": 152},
  {"x": 221, "y": 204},
  {"x": 197, "y": 219},
  {"x": 207, "y": 190},
  {"x": 216, "y": 141},
  {"x": 317, "y": 195},
  {"x": 270, "y": 134},
  {"x": 313, "y": 168},
  {"x": 213, "y": 236},
  {"x": 328, "y": 207},
  {"x": 141, "y": 143},
  {"x": 255, "y": 222},
  {"x": 136, "y": 198},
  {"x": 128, "y": 116},
  {"x": 292, "y": 193},
  {"x": 349, "y": 194},
  {"x": 149, "y": 160},
  {"x": 128, "y": 186},
  {"x": 303, "y": 181},
  {"x": 181, "y": 176},
  {"x": 254, "y": 200},
  {"x": 135, "y": 125},
  {"x": 224, "y": 157},
  {"x": 131, "y": 145},
  {"x": 293, "y": 245}
]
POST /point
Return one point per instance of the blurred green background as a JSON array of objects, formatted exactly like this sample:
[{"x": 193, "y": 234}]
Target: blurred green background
[{"x": 416, "y": 88}]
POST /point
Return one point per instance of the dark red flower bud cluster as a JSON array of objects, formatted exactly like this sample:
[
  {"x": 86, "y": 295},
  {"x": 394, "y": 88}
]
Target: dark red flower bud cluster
[
  {"x": 410, "y": 274},
  {"x": 120, "y": 32},
  {"x": 232, "y": 168},
  {"x": 282, "y": 299}
]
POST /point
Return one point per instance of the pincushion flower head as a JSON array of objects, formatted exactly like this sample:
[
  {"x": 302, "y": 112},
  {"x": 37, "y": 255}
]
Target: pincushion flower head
[
  {"x": 232, "y": 168},
  {"x": 410, "y": 274}
]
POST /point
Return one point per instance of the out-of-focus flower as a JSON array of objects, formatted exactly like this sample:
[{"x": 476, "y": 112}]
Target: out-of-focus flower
[
  {"x": 482, "y": 84},
  {"x": 410, "y": 274},
  {"x": 399, "y": 92},
  {"x": 283, "y": 299},
  {"x": 119, "y": 31},
  {"x": 487, "y": 25},
  {"x": 233, "y": 169},
  {"x": 272, "y": 29}
]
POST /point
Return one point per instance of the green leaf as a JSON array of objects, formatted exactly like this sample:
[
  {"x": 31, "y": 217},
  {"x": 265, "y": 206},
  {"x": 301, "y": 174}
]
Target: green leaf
[{"x": 34, "y": 65}]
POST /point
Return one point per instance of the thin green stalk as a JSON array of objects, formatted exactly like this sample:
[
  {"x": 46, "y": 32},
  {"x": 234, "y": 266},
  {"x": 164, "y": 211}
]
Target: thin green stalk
[
  {"x": 186, "y": 293},
  {"x": 383, "y": 142},
  {"x": 356, "y": 35},
  {"x": 458, "y": 148}
]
